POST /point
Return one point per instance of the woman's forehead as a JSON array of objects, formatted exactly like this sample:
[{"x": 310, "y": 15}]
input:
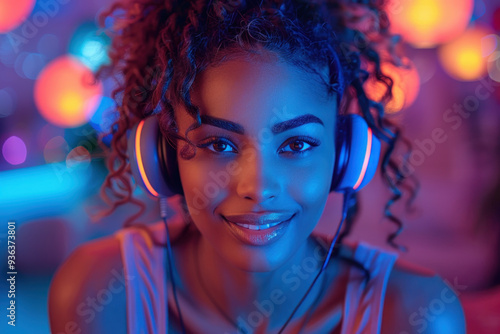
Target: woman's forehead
[{"x": 256, "y": 94}]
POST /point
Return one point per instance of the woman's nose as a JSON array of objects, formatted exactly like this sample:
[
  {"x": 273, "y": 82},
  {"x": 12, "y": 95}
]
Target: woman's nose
[{"x": 258, "y": 180}]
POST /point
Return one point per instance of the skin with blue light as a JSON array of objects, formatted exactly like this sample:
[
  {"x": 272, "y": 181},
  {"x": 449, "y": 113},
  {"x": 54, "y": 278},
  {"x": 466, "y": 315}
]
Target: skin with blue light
[{"x": 253, "y": 94}]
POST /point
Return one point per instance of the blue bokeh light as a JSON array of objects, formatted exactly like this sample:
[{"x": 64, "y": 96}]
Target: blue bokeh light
[
  {"x": 90, "y": 45},
  {"x": 7, "y": 102}
]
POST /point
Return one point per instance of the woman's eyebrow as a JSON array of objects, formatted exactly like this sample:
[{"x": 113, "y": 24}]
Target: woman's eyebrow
[
  {"x": 295, "y": 122},
  {"x": 275, "y": 129},
  {"x": 222, "y": 123}
]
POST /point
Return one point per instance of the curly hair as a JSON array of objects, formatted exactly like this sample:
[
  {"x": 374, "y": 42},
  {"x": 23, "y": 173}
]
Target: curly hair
[{"x": 159, "y": 47}]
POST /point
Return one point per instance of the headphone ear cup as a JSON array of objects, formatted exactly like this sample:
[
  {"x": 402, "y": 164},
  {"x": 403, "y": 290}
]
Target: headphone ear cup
[
  {"x": 357, "y": 154},
  {"x": 167, "y": 156},
  {"x": 152, "y": 160}
]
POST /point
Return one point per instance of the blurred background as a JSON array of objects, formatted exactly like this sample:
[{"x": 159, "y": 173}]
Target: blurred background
[{"x": 446, "y": 99}]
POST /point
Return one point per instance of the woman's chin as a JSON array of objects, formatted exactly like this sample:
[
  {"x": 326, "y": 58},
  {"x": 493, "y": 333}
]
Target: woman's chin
[{"x": 261, "y": 259}]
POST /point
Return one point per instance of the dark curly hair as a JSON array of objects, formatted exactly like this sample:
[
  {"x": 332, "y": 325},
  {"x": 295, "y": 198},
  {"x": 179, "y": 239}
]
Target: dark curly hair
[{"x": 160, "y": 46}]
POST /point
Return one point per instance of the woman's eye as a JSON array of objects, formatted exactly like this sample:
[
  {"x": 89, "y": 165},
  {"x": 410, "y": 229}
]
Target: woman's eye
[
  {"x": 218, "y": 145},
  {"x": 300, "y": 145},
  {"x": 295, "y": 145}
]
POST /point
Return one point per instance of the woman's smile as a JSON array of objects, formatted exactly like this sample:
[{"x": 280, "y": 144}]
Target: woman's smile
[{"x": 258, "y": 229}]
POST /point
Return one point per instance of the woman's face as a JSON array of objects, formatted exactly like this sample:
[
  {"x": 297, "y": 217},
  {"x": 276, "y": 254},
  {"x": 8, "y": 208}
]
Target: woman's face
[{"x": 265, "y": 153}]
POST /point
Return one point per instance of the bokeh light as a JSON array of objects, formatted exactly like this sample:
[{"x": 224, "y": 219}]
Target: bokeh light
[
  {"x": 494, "y": 66},
  {"x": 33, "y": 65},
  {"x": 90, "y": 45},
  {"x": 466, "y": 57},
  {"x": 29, "y": 65},
  {"x": 427, "y": 23},
  {"x": 7, "y": 102},
  {"x": 7, "y": 53},
  {"x": 426, "y": 66},
  {"x": 64, "y": 93},
  {"x": 55, "y": 150},
  {"x": 78, "y": 157},
  {"x": 406, "y": 84},
  {"x": 18, "y": 64},
  {"x": 13, "y": 14},
  {"x": 14, "y": 150}
]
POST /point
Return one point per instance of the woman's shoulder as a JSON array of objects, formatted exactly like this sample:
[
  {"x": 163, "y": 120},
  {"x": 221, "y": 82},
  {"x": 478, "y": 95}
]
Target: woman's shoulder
[
  {"x": 416, "y": 299},
  {"x": 419, "y": 301},
  {"x": 87, "y": 293}
]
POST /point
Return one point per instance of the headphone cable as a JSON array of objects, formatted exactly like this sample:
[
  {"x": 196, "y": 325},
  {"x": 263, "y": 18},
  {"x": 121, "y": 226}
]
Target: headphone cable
[
  {"x": 347, "y": 196},
  {"x": 163, "y": 213}
]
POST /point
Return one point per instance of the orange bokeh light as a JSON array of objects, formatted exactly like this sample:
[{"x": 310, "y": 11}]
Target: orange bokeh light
[
  {"x": 64, "y": 93},
  {"x": 406, "y": 85},
  {"x": 13, "y": 14},
  {"x": 427, "y": 23},
  {"x": 466, "y": 57}
]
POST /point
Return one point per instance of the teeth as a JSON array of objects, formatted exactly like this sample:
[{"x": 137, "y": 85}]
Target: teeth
[{"x": 258, "y": 227}]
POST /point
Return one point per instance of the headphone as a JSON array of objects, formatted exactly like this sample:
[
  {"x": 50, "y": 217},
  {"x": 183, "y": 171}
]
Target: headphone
[{"x": 153, "y": 159}]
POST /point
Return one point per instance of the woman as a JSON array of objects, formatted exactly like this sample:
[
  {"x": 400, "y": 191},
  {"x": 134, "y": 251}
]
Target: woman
[{"x": 249, "y": 94}]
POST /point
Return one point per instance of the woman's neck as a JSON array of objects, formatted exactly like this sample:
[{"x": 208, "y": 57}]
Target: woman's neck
[{"x": 256, "y": 298}]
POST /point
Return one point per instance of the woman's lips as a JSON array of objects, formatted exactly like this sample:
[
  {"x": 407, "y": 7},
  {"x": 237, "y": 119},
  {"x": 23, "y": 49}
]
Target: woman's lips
[
  {"x": 260, "y": 231},
  {"x": 262, "y": 218}
]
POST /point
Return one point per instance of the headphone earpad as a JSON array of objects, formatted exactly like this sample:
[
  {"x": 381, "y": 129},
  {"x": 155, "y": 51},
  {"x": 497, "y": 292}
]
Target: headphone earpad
[
  {"x": 153, "y": 160},
  {"x": 357, "y": 154},
  {"x": 167, "y": 155}
]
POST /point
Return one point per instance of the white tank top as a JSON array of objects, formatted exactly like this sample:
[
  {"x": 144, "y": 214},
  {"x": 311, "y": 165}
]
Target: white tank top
[{"x": 146, "y": 290}]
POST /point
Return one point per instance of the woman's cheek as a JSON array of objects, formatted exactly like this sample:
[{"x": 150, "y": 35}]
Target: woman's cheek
[
  {"x": 310, "y": 184},
  {"x": 203, "y": 185}
]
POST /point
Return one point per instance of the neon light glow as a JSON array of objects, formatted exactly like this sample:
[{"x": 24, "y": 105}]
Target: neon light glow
[
  {"x": 139, "y": 159},
  {"x": 466, "y": 58},
  {"x": 367, "y": 159},
  {"x": 14, "y": 150},
  {"x": 89, "y": 44},
  {"x": 428, "y": 23},
  {"x": 12, "y": 15},
  {"x": 65, "y": 94},
  {"x": 47, "y": 190}
]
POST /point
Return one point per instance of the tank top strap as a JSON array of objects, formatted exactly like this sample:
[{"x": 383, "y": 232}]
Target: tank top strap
[
  {"x": 145, "y": 289},
  {"x": 364, "y": 300}
]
